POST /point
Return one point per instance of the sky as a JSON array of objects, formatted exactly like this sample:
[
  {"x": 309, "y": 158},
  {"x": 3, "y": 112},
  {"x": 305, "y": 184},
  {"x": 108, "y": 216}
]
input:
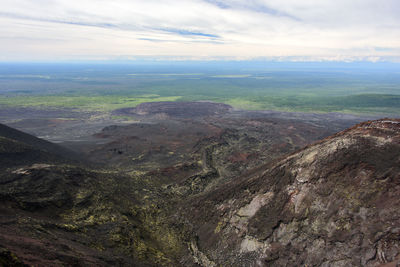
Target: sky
[{"x": 281, "y": 30}]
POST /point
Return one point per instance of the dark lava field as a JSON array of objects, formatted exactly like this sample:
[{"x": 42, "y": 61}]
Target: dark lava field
[{"x": 199, "y": 184}]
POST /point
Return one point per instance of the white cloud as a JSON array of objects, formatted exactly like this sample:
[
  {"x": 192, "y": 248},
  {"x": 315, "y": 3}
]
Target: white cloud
[{"x": 89, "y": 29}]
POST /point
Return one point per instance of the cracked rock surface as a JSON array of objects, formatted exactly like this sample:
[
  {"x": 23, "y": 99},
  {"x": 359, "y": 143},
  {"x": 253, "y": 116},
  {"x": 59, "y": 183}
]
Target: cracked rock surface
[{"x": 334, "y": 203}]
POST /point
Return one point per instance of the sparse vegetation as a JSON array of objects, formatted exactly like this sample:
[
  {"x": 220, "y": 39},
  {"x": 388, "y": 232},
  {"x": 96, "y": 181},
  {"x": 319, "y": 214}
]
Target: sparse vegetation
[
  {"x": 105, "y": 88},
  {"x": 89, "y": 103}
]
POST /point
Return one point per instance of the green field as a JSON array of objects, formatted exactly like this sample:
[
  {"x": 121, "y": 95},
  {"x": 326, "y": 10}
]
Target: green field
[
  {"x": 368, "y": 103},
  {"x": 84, "y": 103},
  {"x": 109, "y": 87}
]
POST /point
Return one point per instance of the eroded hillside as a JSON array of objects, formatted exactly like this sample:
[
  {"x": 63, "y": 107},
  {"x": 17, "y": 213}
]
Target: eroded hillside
[
  {"x": 334, "y": 203},
  {"x": 229, "y": 194}
]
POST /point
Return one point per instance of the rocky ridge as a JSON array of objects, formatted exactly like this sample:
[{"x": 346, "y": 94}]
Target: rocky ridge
[{"x": 333, "y": 203}]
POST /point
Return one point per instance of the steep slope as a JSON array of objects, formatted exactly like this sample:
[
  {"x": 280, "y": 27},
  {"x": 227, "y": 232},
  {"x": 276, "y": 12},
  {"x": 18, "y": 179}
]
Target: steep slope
[
  {"x": 61, "y": 215},
  {"x": 54, "y": 212},
  {"x": 334, "y": 203},
  {"x": 18, "y": 148}
]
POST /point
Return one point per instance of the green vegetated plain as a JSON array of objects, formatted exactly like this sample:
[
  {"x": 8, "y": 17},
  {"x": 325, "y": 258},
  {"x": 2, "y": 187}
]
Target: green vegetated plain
[
  {"x": 89, "y": 103},
  {"x": 106, "y": 88}
]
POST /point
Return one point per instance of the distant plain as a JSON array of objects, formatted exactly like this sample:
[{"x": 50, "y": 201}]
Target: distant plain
[{"x": 354, "y": 88}]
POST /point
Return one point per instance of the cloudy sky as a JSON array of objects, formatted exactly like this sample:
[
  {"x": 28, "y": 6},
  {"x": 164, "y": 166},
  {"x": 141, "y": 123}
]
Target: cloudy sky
[{"x": 343, "y": 30}]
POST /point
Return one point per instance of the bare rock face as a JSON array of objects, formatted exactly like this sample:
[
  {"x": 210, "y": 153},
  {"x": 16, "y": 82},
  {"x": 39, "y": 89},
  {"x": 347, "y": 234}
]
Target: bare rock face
[{"x": 334, "y": 203}]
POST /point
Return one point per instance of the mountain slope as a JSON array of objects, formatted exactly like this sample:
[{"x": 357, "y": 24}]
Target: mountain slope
[
  {"x": 334, "y": 203},
  {"x": 18, "y": 148},
  {"x": 54, "y": 212}
]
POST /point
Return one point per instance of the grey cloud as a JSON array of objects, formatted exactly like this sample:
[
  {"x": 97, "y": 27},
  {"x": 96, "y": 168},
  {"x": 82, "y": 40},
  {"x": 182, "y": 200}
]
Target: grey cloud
[
  {"x": 240, "y": 28},
  {"x": 253, "y": 6},
  {"x": 273, "y": 12},
  {"x": 218, "y": 3},
  {"x": 70, "y": 22},
  {"x": 188, "y": 33}
]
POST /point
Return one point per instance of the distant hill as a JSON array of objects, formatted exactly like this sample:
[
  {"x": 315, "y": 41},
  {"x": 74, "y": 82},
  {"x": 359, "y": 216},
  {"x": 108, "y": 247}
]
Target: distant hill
[{"x": 177, "y": 109}]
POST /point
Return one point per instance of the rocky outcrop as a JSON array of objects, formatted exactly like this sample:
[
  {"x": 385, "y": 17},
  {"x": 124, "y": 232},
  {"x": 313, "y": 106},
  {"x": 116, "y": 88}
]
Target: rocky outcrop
[{"x": 334, "y": 203}]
